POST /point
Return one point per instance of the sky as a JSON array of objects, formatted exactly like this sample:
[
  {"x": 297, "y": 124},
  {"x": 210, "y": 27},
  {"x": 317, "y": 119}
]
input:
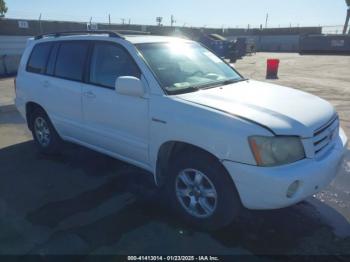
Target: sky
[{"x": 198, "y": 13}]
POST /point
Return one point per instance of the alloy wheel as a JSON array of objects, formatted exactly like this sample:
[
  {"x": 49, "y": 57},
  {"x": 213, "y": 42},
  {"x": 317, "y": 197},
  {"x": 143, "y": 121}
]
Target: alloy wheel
[
  {"x": 42, "y": 131},
  {"x": 196, "y": 193}
]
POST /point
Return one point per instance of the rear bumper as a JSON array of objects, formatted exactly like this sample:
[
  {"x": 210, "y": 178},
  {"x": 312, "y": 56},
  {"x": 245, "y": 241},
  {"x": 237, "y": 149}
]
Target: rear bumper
[{"x": 266, "y": 188}]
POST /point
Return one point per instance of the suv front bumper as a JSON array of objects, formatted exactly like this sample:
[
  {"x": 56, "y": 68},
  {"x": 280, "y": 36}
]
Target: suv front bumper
[{"x": 267, "y": 187}]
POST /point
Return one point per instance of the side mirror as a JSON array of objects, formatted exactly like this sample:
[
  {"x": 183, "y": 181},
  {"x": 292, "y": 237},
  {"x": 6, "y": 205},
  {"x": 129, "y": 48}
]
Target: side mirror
[{"x": 129, "y": 86}]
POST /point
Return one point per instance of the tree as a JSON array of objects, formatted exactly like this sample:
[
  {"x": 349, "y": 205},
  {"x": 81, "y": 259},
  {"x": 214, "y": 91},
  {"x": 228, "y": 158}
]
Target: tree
[{"x": 3, "y": 8}]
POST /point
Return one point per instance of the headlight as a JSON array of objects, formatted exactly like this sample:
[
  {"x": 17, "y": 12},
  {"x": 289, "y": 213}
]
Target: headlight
[{"x": 275, "y": 151}]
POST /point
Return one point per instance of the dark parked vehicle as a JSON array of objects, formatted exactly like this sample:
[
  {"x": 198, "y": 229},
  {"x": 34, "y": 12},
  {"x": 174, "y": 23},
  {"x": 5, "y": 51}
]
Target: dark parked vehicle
[{"x": 221, "y": 46}]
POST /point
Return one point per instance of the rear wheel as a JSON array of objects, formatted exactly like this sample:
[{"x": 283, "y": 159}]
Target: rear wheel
[
  {"x": 201, "y": 191},
  {"x": 45, "y": 136}
]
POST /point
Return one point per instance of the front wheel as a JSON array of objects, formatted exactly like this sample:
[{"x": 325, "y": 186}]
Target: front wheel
[{"x": 201, "y": 191}]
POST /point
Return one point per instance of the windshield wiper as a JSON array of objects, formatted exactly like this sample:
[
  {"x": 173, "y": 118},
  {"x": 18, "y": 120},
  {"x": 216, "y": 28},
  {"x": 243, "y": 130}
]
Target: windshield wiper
[
  {"x": 223, "y": 83},
  {"x": 206, "y": 86},
  {"x": 183, "y": 90}
]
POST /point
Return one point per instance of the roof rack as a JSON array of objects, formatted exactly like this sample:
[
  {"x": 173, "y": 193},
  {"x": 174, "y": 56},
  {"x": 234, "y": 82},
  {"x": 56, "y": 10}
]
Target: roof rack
[
  {"x": 94, "y": 32},
  {"x": 132, "y": 32}
]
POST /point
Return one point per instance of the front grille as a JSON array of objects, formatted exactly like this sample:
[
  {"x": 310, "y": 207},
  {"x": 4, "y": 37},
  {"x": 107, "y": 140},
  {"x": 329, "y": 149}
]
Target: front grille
[{"x": 324, "y": 136}]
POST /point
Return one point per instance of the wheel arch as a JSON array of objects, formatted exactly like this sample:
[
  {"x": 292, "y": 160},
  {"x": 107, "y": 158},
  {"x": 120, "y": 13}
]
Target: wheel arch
[
  {"x": 169, "y": 150},
  {"x": 30, "y": 108}
]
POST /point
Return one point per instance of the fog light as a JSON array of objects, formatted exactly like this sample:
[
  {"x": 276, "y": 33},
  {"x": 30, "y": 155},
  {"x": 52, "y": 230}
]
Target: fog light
[{"x": 292, "y": 189}]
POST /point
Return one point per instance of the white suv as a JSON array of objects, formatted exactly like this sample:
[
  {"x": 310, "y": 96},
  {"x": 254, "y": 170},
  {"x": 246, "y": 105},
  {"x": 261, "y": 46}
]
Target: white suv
[{"x": 212, "y": 139}]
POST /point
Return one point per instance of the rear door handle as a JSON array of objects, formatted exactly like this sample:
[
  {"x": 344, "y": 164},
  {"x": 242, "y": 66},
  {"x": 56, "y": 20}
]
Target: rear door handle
[{"x": 90, "y": 94}]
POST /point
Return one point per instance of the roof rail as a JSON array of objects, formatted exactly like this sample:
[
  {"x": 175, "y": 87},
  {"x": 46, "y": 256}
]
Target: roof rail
[
  {"x": 58, "y": 34},
  {"x": 132, "y": 32}
]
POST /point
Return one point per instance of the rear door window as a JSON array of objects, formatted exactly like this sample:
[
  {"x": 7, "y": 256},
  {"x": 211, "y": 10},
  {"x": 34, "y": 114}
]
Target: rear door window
[
  {"x": 110, "y": 61},
  {"x": 38, "y": 58},
  {"x": 50, "y": 67},
  {"x": 71, "y": 59}
]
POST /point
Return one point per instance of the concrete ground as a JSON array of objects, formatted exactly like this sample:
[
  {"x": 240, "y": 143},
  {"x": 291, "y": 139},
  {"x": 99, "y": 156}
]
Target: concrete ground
[
  {"x": 82, "y": 202},
  {"x": 7, "y": 93}
]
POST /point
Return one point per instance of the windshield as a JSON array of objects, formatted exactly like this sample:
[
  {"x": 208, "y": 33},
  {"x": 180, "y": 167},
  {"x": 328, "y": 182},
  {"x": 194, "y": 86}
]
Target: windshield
[{"x": 185, "y": 66}]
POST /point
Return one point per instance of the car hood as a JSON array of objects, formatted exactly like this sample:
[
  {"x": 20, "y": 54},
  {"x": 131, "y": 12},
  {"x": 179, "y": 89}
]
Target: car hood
[{"x": 285, "y": 111}]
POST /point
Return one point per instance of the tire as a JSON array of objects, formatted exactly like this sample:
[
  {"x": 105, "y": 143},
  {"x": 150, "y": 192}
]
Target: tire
[
  {"x": 41, "y": 127},
  {"x": 223, "y": 210}
]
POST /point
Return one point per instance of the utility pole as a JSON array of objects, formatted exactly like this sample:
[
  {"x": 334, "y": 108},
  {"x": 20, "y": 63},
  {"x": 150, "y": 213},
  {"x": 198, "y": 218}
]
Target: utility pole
[
  {"x": 129, "y": 21},
  {"x": 159, "y": 20},
  {"x": 40, "y": 26},
  {"x": 347, "y": 18},
  {"x": 267, "y": 19},
  {"x": 109, "y": 19},
  {"x": 123, "y": 21},
  {"x": 90, "y": 24},
  {"x": 172, "y": 21}
]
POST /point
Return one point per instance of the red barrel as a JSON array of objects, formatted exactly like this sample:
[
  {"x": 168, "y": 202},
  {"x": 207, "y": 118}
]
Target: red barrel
[{"x": 272, "y": 68}]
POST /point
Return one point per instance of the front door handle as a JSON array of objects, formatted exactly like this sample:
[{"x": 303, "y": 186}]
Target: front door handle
[{"x": 90, "y": 94}]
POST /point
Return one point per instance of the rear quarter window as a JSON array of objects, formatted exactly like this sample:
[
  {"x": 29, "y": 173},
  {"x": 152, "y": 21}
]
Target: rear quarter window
[{"x": 38, "y": 58}]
